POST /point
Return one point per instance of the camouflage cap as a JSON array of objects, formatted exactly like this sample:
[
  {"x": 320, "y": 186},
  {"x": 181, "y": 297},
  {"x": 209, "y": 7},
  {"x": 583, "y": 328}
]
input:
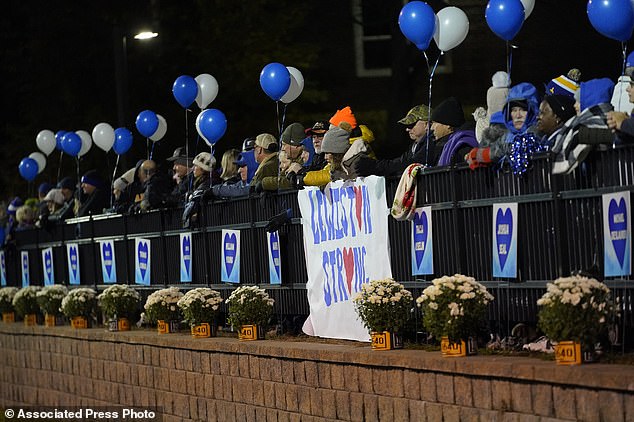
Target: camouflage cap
[{"x": 420, "y": 112}]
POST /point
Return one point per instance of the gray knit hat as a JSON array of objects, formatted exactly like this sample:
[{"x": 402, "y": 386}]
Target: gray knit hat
[
  {"x": 205, "y": 161},
  {"x": 336, "y": 141}
]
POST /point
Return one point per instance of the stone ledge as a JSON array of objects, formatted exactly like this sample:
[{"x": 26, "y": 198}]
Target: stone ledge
[{"x": 600, "y": 376}]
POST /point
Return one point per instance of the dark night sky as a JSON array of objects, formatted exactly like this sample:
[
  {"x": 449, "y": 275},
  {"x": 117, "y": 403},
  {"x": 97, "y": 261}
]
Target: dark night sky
[{"x": 58, "y": 66}]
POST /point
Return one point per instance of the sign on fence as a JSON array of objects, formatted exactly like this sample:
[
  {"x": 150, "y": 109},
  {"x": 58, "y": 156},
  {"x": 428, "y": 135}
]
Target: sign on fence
[
  {"x": 346, "y": 245},
  {"x": 72, "y": 252},
  {"x": 617, "y": 234},
  {"x": 3, "y": 269},
  {"x": 275, "y": 265},
  {"x": 142, "y": 262},
  {"x": 505, "y": 226},
  {"x": 422, "y": 242},
  {"x": 47, "y": 266},
  {"x": 108, "y": 261},
  {"x": 230, "y": 265},
  {"x": 186, "y": 257},
  {"x": 24, "y": 260}
]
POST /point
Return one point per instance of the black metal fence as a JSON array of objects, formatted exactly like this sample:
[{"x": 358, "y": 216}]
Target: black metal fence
[{"x": 560, "y": 230}]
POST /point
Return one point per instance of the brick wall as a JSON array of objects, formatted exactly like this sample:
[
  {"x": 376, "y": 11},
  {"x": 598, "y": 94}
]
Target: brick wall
[{"x": 222, "y": 379}]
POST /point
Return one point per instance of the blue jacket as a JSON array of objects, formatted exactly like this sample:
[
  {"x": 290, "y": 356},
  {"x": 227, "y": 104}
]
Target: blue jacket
[{"x": 522, "y": 92}]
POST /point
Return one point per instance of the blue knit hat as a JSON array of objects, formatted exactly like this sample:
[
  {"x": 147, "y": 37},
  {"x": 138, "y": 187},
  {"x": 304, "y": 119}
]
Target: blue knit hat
[
  {"x": 44, "y": 188},
  {"x": 14, "y": 205},
  {"x": 564, "y": 85}
]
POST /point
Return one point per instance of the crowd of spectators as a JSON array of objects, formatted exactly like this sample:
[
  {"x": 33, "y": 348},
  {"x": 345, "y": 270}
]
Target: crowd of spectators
[{"x": 570, "y": 118}]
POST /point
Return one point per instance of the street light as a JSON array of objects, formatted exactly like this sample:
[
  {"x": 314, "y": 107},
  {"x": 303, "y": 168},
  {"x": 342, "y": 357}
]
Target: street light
[{"x": 121, "y": 68}]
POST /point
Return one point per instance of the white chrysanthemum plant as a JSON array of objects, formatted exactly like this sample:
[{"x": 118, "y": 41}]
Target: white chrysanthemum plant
[
  {"x": 576, "y": 309},
  {"x": 383, "y": 305},
  {"x": 200, "y": 306},
  {"x": 6, "y": 299},
  {"x": 454, "y": 306},
  {"x": 249, "y": 305},
  {"x": 162, "y": 305},
  {"x": 80, "y": 302},
  {"x": 25, "y": 301},
  {"x": 50, "y": 299},
  {"x": 120, "y": 301}
]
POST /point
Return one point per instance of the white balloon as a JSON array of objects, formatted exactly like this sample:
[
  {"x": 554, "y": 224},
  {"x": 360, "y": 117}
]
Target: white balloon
[
  {"x": 528, "y": 7},
  {"x": 40, "y": 159},
  {"x": 86, "y": 142},
  {"x": 296, "y": 87},
  {"x": 161, "y": 130},
  {"x": 45, "y": 141},
  {"x": 103, "y": 136},
  {"x": 207, "y": 90},
  {"x": 452, "y": 27}
]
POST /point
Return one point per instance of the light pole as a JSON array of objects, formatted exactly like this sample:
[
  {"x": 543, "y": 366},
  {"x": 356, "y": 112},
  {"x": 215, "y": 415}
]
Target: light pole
[{"x": 120, "y": 41}]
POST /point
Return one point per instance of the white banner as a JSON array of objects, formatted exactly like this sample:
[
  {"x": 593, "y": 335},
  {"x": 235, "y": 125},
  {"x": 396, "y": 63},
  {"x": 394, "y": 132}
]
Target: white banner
[{"x": 346, "y": 244}]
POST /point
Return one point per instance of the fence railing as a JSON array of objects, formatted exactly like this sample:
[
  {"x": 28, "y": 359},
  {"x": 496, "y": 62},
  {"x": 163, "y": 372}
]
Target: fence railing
[{"x": 560, "y": 230}]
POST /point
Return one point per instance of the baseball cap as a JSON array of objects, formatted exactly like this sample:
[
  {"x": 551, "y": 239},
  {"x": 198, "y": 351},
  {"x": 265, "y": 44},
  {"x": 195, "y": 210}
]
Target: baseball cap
[
  {"x": 419, "y": 112},
  {"x": 293, "y": 134},
  {"x": 248, "y": 144},
  {"x": 180, "y": 156},
  {"x": 266, "y": 140},
  {"x": 318, "y": 128}
]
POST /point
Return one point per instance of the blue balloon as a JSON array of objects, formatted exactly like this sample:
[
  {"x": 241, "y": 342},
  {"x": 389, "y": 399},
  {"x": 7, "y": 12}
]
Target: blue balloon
[
  {"x": 58, "y": 139},
  {"x": 28, "y": 168},
  {"x": 505, "y": 17},
  {"x": 185, "y": 90},
  {"x": 147, "y": 123},
  {"x": 417, "y": 21},
  {"x": 212, "y": 124},
  {"x": 612, "y": 18},
  {"x": 71, "y": 144},
  {"x": 275, "y": 79},
  {"x": 122, "y": 140}
]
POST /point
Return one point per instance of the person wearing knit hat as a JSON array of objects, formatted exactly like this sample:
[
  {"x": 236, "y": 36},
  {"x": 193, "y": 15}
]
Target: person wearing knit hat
[
  {"x": 590, "y": 127},
  {"x": 336, "y": 142},
  {"x": 292, "y": 138},
  {"x": 43, "y": 189},
  {"x": 447, "y": 119},
  {"x": 240, "y": 186},
  {"x": 203, "y": 164},
  {"x": 496, "y": 98},
  {"x": 95, "y": 198},
  {"x": 14, "y": 205},
  {"x": 343, "y": 115},
  {"x": 564, "y": 84}
]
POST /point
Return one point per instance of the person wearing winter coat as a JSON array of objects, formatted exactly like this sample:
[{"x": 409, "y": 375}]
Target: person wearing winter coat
[
  {"x": 447, "y": 125},
  {"x": 589, "y": 128},
  {"x": 233, "y": 188},
  {"x": 423, "y": 150},
  {"x": 95, "y": 197},
  {"x": 518, "y": 140},
  {"x": 554, "y": 112}
]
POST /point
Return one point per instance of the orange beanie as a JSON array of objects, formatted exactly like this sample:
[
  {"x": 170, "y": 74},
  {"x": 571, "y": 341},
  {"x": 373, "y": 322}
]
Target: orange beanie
[{"x": 344, "y": 115}]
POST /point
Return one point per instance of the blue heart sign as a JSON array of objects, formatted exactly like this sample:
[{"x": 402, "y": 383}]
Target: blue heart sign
[
  {"x": 108, "y": 263},
  {"x": 616, "y": 233},
  {"x": 142, "y": 261},
  {"x": 505, "y": 240},
  {"x": 3, "y": 269},
  {"x": 275, "y": 271},
  {"x": 25, "y": 268},
  {"x": 230, "y": 269},
  {"x": 186, "y": 257},
  {"x": 421, "y": 248},
  {"x": 420, "y": 236},
  {"x": 73, "y": 263},
  {"x": 47, "y": 258},
  {"x": 617, "y": 220}
]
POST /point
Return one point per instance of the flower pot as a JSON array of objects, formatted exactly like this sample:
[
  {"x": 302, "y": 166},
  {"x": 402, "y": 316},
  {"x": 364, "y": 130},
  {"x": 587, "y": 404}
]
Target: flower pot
[
  {"x": 204, "y": 330},
  {"x": 568, "y": 353},
  {"x": 30, "y": 319},
  {"x": 79, "y": 322},
  {"x": 251, "y": 332},
  {"x": 451, "y": 349},
  {"x": 51, "y": 320},
  {"x": 386, "y": 340},
  {"x": 166, "y": 327},
  {"x": 119, "y": 324},
  {"x": 8, "y": 317}
]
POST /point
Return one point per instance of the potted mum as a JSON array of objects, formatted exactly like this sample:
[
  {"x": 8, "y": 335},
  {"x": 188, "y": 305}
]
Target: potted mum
[
  {"x": 200, "y": 308},
  {"x": 50, "y": 301},
  {"x": 161, "y": 307},
  {"x": 454, "y": 308},
  {"x": 25, "y": 304},
  {"x": 574, "y": 312},
  {"x": 384, "y": 307},
  {"x": 6, "y": 303},
  {"x": 79, "y": 305},
  {"x": 249, "y": 310},
  {"x": 120, "y": 305}
]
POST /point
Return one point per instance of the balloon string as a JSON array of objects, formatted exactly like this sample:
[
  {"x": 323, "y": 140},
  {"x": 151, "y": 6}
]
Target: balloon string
[
  {"x": 152, "y": 150},
  {"x": 116, "y": 164},
  {"x": 78, "y": 190},
  {"x": 431, "y": 78},
  {"x": 624, "y": 52},
  {"x": 187, "y": 152},
  {"x": 59, "y": 168},
  {"x": 147, "y": 147},
  {"x": 427, "y": 61}
]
